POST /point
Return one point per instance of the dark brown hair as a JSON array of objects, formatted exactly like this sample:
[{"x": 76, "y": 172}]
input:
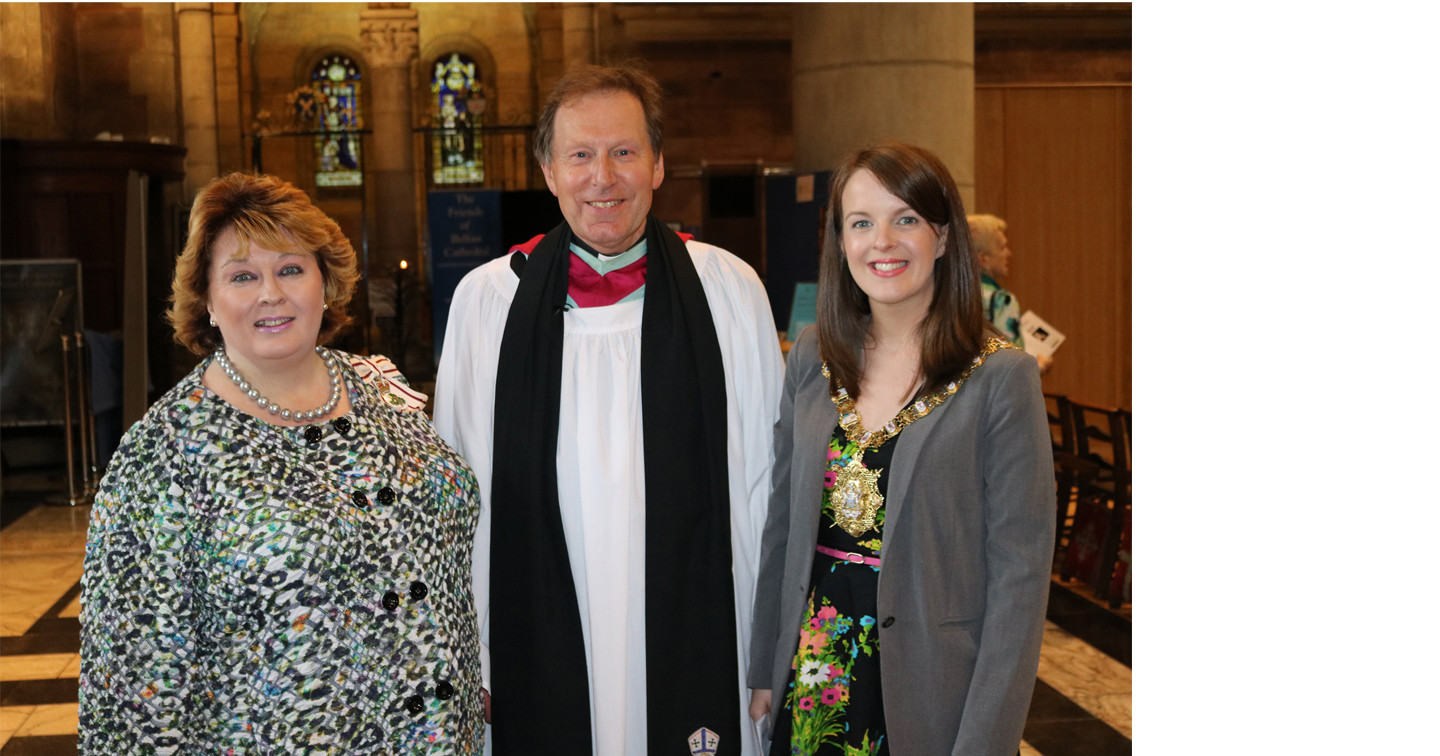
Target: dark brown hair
[
  {"x": 588, "y": 79},
  {"x": 954, "y": 329},
  {"x": 268, "y": 210}
]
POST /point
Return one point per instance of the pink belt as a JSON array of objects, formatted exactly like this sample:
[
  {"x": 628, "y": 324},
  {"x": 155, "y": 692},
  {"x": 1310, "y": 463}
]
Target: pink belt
[{"x": 849, "y": 556}]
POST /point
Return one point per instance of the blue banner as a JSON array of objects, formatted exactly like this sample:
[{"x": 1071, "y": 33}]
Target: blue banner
[
  {"x": 802, "y": 309},
  {"x": 464, "y": 234},
  {"x": 794, "y": 227}
]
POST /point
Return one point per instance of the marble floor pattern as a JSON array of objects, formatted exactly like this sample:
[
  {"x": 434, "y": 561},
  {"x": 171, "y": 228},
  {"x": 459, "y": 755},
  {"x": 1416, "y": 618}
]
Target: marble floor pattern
[{"x": 1081, "y": 706}]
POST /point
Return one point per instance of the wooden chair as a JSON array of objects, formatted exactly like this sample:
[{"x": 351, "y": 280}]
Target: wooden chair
[
  {"x": 1062, "y": 423},
  {"x": 1062, "y": 443},
  {"x": 1100, "y": 471}
]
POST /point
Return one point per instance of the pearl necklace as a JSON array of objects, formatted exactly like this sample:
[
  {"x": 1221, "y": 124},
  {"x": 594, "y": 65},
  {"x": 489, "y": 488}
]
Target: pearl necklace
[{"x": 330, "y": 366}]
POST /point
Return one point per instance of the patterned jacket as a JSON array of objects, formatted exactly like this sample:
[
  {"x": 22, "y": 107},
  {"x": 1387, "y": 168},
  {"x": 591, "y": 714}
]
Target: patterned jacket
[{"x": 257, "y": 589}]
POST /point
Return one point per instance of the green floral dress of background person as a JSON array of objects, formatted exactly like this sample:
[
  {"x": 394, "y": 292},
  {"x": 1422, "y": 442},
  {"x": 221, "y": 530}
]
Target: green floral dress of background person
[
  {"x": 1002, "y": 309},
  {"x": 833, "y": 703}
]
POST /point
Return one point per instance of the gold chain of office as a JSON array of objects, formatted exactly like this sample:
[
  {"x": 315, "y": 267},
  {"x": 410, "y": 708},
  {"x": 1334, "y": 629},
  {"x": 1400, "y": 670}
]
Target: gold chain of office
[
  {"x": 855, "y": 498},
  {"x": 855, "y": 428}
]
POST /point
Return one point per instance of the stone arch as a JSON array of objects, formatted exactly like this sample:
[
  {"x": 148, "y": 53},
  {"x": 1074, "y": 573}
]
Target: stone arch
[
  {"x": 286, "y": 40},
  {"x": 496, "y": 36}
]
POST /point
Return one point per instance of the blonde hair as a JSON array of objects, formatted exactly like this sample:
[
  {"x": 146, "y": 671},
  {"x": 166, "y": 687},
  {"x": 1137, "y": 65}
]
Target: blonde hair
[
  {"x": 985, "y": 230},
  {"x": 272, "y": 212}
]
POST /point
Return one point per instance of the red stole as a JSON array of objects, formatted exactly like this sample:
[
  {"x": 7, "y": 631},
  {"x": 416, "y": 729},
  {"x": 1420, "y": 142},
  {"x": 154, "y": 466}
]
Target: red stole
[{"x": 590, "y": 289}]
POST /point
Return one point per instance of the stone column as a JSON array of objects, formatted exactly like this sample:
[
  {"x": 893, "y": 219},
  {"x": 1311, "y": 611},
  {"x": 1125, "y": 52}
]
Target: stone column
[
  {"x": 578, "y": 33},
  {"x": 870, "y": 71},
  {"x": 195, "y": 31},
  {"x": 391, "y": 38},
  {"x": 566, "y": 38},
  {"x": 230, "y": 138}
]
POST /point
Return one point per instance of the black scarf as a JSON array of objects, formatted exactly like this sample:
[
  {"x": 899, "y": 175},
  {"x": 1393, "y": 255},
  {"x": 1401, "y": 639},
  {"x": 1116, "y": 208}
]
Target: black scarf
[{"x": 537, "y": 651}]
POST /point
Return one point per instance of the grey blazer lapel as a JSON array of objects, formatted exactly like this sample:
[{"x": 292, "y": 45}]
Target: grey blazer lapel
[
  {"x": 902, "y": 468},
  {"x": 815, "y": 419}
]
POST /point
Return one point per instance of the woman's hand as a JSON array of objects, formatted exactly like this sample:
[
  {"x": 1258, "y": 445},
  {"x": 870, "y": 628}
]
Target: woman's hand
[
  {"x": 759, "y": 703},
  {"x": 485, "y": 696}
]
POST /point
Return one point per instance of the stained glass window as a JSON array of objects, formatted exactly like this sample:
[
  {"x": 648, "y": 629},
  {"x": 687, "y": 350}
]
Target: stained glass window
[
  {"x": 337, "y": 150},
  {"x": 457, "y": 109}
]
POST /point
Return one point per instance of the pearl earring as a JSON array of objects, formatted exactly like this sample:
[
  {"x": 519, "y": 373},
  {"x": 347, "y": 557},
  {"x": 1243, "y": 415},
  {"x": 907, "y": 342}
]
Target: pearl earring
[
  {"x": 325, "y": 306},
  {"x": 212, "y": 322}
]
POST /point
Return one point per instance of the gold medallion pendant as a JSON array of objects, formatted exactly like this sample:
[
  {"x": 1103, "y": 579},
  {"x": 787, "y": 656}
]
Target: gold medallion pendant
[{"x": 856, "y": 496}]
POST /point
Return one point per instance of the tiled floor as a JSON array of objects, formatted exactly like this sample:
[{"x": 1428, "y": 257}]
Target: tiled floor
[
  {"x": 1081, "y": 705},
  {"x": 40, "y": 560}
]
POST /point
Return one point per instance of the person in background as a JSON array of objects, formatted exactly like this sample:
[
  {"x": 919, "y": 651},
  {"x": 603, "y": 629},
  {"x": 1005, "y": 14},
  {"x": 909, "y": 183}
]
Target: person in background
[
  {"x": 905, "y": 565},
  {"x": 1002, "y": 309},
  {"x": 623, "y": 455},
  {"x": 279, "y": 553}
]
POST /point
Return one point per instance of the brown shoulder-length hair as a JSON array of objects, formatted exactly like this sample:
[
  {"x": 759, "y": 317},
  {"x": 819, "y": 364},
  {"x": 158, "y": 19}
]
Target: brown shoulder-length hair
[
  {"x": 954, "y": 329},
  {"x": 589, "y": 79},
  {"x": 272, "y": 212}
]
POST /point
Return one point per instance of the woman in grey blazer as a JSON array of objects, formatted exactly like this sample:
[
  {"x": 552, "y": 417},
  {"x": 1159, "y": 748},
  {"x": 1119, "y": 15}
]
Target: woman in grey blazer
[{"x": 905, "y": 564}]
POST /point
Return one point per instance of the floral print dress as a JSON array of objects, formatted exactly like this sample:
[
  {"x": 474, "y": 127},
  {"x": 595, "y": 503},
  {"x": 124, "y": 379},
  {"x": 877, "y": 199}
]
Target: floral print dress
[{"x": 833, "y": 703}]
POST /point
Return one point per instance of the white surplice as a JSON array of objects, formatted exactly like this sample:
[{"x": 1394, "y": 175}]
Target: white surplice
[{"x": 601, "y": 466}]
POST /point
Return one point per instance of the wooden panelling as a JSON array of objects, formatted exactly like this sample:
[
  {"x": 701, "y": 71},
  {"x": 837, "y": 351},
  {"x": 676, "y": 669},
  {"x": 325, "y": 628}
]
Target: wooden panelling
[
  {"x": 68, "y": 199},
  {"x": 989, "y": 153},
  {"x": 1052, "y": 43},
  {"x": 1054, "y": 162}
]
